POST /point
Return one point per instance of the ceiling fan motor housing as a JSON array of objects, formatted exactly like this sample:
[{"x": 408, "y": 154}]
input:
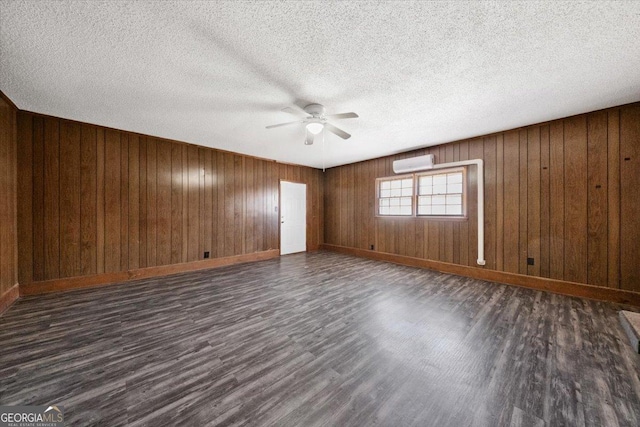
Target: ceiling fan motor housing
[{"x": 316, "y": 110}]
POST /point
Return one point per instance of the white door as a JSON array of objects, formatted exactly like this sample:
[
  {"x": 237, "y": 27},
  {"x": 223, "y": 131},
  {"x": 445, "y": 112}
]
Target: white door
[{"x": 293, "y": 217}]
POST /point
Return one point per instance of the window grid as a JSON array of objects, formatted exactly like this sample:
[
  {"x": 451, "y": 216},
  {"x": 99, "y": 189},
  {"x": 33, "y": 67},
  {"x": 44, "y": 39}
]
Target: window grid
[
  {"x": 441, "y": 194},
  {"x": 435, "y": 194},
  {"x": 395, "y": 196}
]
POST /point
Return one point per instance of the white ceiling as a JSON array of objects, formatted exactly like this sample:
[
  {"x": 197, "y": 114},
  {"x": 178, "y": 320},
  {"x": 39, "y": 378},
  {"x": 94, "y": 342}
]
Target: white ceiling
[{"x": 417, "y": 73}]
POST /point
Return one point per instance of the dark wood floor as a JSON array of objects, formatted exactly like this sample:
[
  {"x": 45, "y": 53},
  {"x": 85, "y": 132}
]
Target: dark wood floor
[{"x": 320, "y": 339}]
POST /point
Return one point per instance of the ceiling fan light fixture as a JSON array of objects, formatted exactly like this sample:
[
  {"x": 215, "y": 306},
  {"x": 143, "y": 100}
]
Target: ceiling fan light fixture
[{"x": 315, "y": 127}]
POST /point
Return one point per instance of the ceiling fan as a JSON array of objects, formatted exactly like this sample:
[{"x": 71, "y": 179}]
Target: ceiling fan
[{"x": 316, "y": 120}]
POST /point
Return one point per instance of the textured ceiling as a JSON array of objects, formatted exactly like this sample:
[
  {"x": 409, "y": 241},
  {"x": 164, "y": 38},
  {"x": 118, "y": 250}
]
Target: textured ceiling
[{"x": 417, "y": 73}]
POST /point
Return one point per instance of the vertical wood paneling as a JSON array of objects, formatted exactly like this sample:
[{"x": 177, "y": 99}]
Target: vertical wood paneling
[
  {"x": 363, "y": 200},
  {"x": 207, "y": 217},
  {"x": 613, "y": 198},
  {"x": 491, "y": 207},
  {"x": 193, "y": 213},
  {"x": 500, "y": 202},
  {"x": 575, "y": 163},
  {"x": 319, "y": 192},
  {"x": 152, "y": 208},
  {"x": 562, "y": 193},
  {"x": 51, "y": 198},
  {"x": 597, "y": 256},
  {"x": 142, "y": 180},
  {"x": 134, "y": 202},
  {"x": 220, "y": 203},
  {"x": 124, "y": 202},
  {"x": 260, "y": 204},
  {"x": 533, "y": 199},
  {"x": 249, "y": 237},
  {"x": 100, "y": 197},
  {"x": 629, "y": 200},
  {"x": 544, "y": 201},
  {"x": 511, "y": 228},
  {"x": 69, "y": 199},
  {"x": 351, "y": 235},
  {"x": 11, "y": 199},
  {"x": 25, "y": 192},
  {"x": 202, "y": 234},
  {"x": 343, "y": 184},
  {"x": 212, "y": 201},
  {"x": 176, "y": 204},
  {"x": 556, "y": 200},
  {"x": 238, "y": 212},
  {"x": 328, "y": 200},
  {"x": 100, "y": 200},
  {"x": 185, "y": 203},
  {"x": 88, "y": 201},
  {"x": 112, "y": 201},
  {"x": 163, "y": 207},
  {"x": 180, "y": 199},
  {"x": 523, "y": 205},
  {"x": 37, "y": 214},
  {"x": 8, "y": 189},
  {"x": 229, "y": 205}
]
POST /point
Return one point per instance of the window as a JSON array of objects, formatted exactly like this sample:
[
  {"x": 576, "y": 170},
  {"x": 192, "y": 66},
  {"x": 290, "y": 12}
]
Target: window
[
  {"x": 395, "y": 196},
  {"x": 438, "y": 193},
  {"x": 441, "y": 193}
]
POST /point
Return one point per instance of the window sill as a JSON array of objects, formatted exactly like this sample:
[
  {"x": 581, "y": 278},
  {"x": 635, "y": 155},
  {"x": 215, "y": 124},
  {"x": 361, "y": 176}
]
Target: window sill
[{"x": 424, "y": 217}]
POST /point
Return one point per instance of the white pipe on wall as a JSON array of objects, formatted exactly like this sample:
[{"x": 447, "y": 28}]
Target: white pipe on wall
[{"x": 479, "y": 164}]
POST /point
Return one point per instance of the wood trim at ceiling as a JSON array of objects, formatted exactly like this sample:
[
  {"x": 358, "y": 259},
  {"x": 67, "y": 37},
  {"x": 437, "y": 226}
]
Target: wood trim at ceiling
[
  {"x": 532, "y": 282},
  {"x": 58, "y": 285},
  {"x": 9, "y": 298}
]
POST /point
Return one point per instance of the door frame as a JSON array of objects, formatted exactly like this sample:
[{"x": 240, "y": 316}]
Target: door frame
[{"x": 306, "y": 219}]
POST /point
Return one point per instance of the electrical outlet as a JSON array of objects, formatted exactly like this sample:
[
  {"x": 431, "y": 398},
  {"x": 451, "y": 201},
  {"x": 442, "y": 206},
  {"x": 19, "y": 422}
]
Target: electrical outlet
[
  {"x": 530, "y": 261},
  {"x": 206, "y": 254}
]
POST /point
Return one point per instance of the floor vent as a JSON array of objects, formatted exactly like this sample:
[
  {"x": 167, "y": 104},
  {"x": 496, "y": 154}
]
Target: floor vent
[{"x": 631, "y": 324}]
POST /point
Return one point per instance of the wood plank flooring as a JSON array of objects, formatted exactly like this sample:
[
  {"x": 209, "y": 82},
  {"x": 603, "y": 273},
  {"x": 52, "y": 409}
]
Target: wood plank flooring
[{"x": 320, "y": 339}]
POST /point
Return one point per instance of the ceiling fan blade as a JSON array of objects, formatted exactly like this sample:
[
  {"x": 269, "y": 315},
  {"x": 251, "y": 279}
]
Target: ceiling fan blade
[
  {"x": 331, "y": 128},
  {"x": 296, "y": 111},
  {"x": 284, "y": 124},
  {"x": 309, "y": 138},
  {"x": 343, "y": 116}
]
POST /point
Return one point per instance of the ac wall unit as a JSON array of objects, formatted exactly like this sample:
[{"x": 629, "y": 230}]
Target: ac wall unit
[{"x": 414, "y": 164}]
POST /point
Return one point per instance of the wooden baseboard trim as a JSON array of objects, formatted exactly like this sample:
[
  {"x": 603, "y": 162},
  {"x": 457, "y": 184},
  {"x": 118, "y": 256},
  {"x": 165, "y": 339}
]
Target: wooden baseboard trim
[
  {"x": 539, "y": 283},
  {"x": 9, "y": 297},
  {"x": 59, "y": 285}
]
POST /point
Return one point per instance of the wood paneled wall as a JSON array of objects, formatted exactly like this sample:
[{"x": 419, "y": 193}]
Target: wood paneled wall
[
  {"x": 563, "y": 193},
  {"x": 96, "y": 200},
  {"x": 8, "y": 236}
]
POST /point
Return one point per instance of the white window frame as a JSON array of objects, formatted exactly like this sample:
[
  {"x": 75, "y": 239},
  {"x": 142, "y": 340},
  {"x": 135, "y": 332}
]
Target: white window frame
[
  {"x": 463, "y": 194},
  {"x": 415, "y": 196},
  {"x": 411, "y": 196}
]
